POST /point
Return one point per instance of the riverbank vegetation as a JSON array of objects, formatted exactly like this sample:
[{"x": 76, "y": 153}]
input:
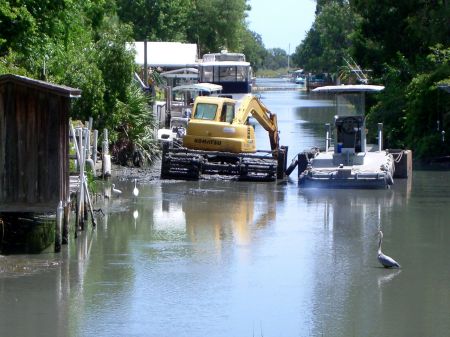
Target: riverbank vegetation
[
  {"x": 82, "y": 44},
  {"x": 404, "y": 45}
]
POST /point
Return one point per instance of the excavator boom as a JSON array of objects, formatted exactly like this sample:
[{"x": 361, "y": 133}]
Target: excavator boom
[{"x": 254, "y": 107}]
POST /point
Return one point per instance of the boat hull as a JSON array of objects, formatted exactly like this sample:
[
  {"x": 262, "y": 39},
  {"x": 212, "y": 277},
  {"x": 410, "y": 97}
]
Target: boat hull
[
  {"x": 353, "y": 182},
  {"x": 322, "y": 172}
]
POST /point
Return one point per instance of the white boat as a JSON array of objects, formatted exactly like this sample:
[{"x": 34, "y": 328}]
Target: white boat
[
  {"x": 180, "y": 107},
  {"x": 183, "y": 97},
  {"x": 350, "y": 162},
  {"x": 299, "y": 80},
  {"x": 230, "y": 70}
]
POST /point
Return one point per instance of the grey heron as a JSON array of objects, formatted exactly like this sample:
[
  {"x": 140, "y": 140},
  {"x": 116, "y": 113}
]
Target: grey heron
[
  {"x": 135, "y": 190},
  {"x": 386, "y": 261}
]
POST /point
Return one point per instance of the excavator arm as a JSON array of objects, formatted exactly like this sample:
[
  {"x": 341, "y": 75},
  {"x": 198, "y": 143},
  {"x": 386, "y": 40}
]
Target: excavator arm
[{"x": 253, "y": 106}]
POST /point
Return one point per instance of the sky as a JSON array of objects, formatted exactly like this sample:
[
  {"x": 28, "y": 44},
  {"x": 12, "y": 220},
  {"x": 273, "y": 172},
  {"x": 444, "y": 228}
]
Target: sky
[{"x": 281, "y": 22}]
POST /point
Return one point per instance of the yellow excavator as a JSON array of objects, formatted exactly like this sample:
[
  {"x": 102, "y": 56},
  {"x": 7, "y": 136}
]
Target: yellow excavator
[{"x": 219, "y": 140}]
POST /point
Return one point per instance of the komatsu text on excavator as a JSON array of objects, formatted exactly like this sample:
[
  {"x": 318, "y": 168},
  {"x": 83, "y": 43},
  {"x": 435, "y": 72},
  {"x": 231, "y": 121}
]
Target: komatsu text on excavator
[{"x": 220, "y": 140}]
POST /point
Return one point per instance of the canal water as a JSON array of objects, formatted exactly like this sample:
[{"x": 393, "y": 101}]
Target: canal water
[{"x": 213, "y": 258}]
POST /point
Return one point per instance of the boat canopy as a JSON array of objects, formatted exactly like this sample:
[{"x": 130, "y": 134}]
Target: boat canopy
[
  {"x": 181, "y": 73},
  {"x": 205, "y": 87},
  {"x": 352, "y": 88},
  {"x": 225, "y": 64}
]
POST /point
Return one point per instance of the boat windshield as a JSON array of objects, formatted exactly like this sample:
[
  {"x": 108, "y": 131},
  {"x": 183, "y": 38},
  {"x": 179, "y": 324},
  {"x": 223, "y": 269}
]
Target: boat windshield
[{"x": 205, "y": 111}]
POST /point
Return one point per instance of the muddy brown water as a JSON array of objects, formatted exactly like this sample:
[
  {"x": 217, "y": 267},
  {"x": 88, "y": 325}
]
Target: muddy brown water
[{"x": 220, "y": 258}]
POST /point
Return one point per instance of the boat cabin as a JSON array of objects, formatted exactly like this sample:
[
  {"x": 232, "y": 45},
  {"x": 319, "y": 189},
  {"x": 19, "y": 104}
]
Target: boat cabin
[
  {"x": 350, "y": 143},
  {"x": 230, "y": 70}
]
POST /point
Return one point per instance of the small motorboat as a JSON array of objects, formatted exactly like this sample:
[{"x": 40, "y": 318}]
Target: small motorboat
[{"x": 350, "y": 162}]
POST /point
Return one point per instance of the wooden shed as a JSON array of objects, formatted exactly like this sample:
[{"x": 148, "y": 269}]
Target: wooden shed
[{"x": 34, "y": 144}]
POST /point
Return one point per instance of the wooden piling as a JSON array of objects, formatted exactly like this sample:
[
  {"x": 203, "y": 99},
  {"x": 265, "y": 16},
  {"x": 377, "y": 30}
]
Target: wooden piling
[
  {"x": 58, "y": 231},
  {"x": 106, "y": 162},
  {"x": 94, "y": 147},
  {"x": 66, "y": 221},
  {"x": 86, "y": 143}
]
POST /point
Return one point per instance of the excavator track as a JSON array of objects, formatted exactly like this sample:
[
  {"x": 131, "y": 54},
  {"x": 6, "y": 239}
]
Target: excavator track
[{"x": 183, "y": 163}]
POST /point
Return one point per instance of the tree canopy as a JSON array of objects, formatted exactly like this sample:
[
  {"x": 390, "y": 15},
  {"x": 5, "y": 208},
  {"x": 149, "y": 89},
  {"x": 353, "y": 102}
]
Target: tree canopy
[
  {"x": 405, "y": 45},
  {"x": 82, "y": 43},
  {"x": 79, "y": 43}
]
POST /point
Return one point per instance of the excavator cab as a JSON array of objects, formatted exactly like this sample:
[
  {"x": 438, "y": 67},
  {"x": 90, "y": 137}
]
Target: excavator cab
[
  {"x": 213, "y": 128},
  {"x": 213, "y": 110}
]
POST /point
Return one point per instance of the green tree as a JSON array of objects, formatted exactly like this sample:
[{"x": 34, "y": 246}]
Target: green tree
[
  {"x": 217, "y": 24},
  {"x": 307, "y": 54},
  {"x": 116, "y": 64},
  {"x": 276, "y": 58},
  {"x": 253, "y": 48},
  {"x": 411, "y": 100},
  {"x": 329, "y": 39},
  {"x": 135, "y": 144},
  {"x": 16, "y": 26},
  {"x": 156, "y": 20},
  {"x": 391, "y": 28},
  {"x": 80, "y": 44},
  {"x": 428, "y": 107}
]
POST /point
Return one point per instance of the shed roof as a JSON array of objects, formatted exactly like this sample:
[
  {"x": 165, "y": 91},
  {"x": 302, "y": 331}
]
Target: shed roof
[
  {"x": 56, "y": 89},
  {"x": 166, "y": 54}
]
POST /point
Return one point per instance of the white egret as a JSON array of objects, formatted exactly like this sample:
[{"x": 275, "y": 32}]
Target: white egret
[
  {"x": 135, "y": 190},
  {"x": 386, "y": 261},
  {"x": 115, "y": 190}
]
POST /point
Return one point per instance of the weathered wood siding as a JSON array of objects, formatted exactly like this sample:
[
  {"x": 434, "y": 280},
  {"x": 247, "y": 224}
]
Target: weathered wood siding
[{"x": 34, "y": 165}]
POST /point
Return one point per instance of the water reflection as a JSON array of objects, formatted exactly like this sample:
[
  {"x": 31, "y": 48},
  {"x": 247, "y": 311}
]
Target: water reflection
[
  {"x": 348, "y": 274},
  {"x": 220, "y": 215}
]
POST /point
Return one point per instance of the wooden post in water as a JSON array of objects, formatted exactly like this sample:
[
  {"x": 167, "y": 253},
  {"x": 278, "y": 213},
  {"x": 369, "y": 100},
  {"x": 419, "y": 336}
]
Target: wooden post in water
[
  {"x": 78, "y": 204},
  {"x": 94, "y": 147},
  {"x": 85, "y": 157},
  {"x": 380, "y": 137},
  {"x": 87, "y": 142},
  {"x": 106, "y": 160},
  {"x": 168, "y": 93},
  {"x": 80, "y": 194},
  {"x": 327, "y": 136},
  {"x": 89, "y": 204},
  {"x": 145, "y": 63},
  {"x": 58, "y": 232},
  {"x": 66, "y": 221}
]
